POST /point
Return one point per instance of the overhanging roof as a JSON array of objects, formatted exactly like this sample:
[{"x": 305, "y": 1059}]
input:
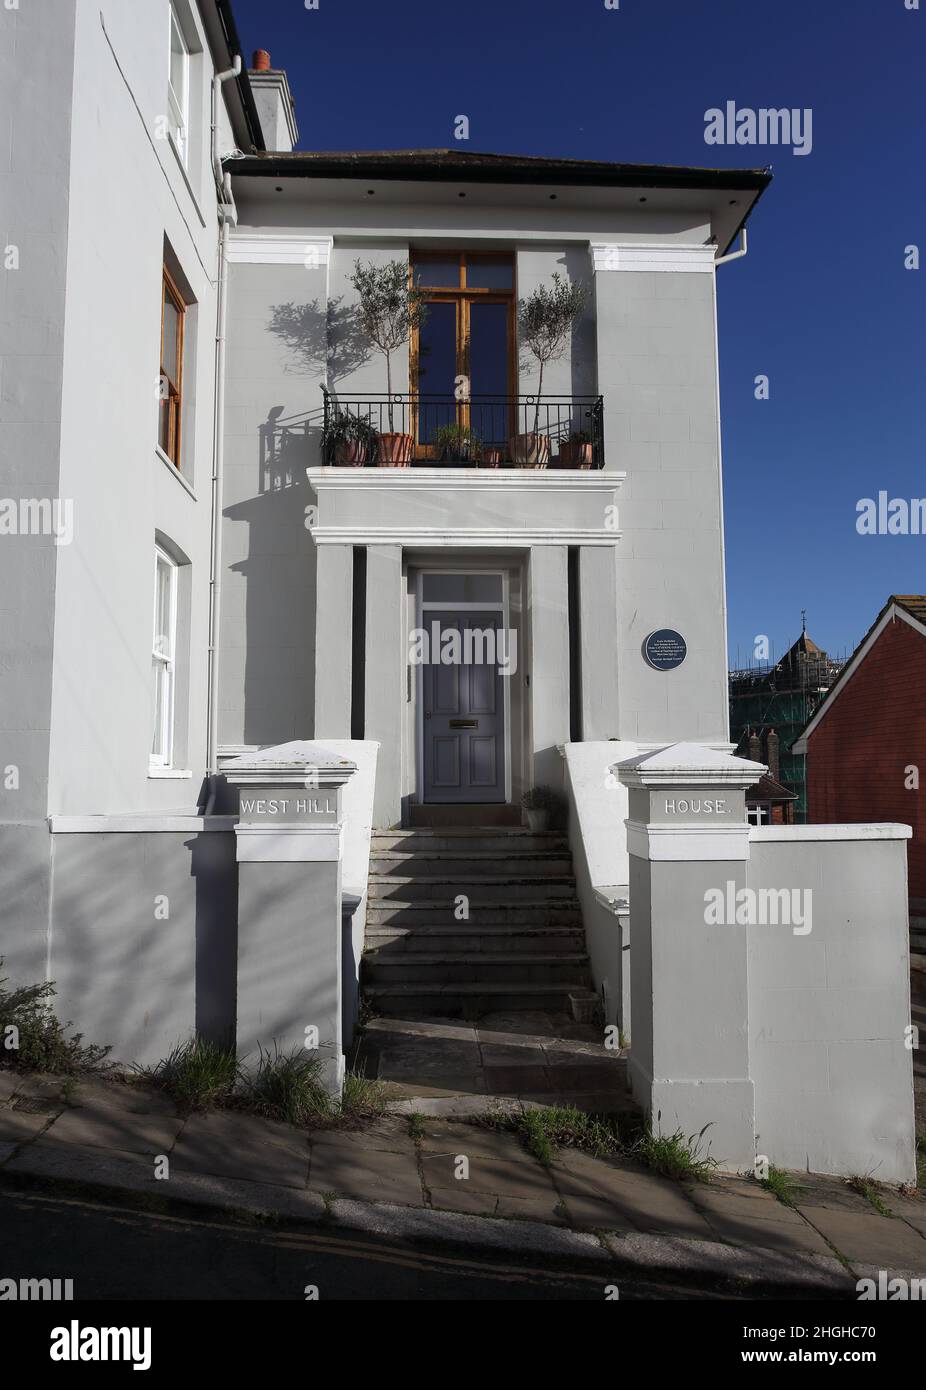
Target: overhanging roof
[{"x": 442, "y": 166}]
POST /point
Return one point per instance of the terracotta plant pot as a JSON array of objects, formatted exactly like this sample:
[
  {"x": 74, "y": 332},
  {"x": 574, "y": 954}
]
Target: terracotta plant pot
[
  {"x": 350, "y": 453},
  {"x": 574, "y": 454},
  {"x": 491, "y": 458},
  {"x": 530, "y": 450},
  {"x": 393, "y": 450}
]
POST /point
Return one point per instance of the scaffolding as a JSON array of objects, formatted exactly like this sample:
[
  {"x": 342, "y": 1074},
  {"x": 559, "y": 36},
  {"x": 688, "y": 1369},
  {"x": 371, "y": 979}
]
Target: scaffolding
[{"x": 782, "y": 696}]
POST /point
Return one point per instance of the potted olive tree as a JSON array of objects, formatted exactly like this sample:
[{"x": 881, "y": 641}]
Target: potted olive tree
[
  {"x": 545, "y": 320},
  {"x": 389, "y": 307}
]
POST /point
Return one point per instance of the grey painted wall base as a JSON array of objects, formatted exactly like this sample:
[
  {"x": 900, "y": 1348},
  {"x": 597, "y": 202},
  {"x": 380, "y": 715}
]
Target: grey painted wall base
[
  {"x": 769, "y": 974},
  {"x": 289, "y": 962}
]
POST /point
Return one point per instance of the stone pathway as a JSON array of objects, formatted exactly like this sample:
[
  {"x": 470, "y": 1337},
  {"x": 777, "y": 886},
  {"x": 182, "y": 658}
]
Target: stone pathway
[
  {"x": 443, "y": 1067},
  {"x": 115, "y": 1135}
]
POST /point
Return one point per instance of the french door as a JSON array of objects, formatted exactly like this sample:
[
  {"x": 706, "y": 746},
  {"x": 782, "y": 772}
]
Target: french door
[{"x": 463, "y": 354}]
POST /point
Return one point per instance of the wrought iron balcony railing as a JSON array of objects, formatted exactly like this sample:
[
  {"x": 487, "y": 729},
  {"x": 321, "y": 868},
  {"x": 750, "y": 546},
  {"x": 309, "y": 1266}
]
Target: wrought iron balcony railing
[{"x": 482, "y": 430}]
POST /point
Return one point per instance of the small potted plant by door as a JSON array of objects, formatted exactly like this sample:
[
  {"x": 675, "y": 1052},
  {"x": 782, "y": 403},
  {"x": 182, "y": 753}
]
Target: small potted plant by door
[
  {"x": 539, "y": 803},
  {"x": 389, "y": 308},
  {"x": 348, "y": 441},
  {"x": 576, "y": 451},
  {"x": 545, "y": 320},
  {"x": 457, "y": 444}
]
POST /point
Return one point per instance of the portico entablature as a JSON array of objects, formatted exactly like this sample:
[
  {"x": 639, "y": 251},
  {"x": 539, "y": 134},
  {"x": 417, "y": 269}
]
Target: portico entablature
[{"x": 474, "y": 507}]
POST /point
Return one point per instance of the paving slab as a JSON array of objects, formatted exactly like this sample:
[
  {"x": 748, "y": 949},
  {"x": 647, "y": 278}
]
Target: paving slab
[
  {"x": 630, "y": 1197},
  {"x": 365, "y": 1175},
  {"x": 19, "y": 1126},
  {"x": 110, "y": 1127},
  {"x": 133, "y": 1097},
  {"x": 9, "y": 1082},
  {"x": 524, "y": 1179},
  {"x": 243, "y": 1146},
  {"x": 869, "y": 1238},
  {"x": 389, "y": 1134},
  {"x": 909, "y": 1209},
  {"x": 447, "y": 1137}
]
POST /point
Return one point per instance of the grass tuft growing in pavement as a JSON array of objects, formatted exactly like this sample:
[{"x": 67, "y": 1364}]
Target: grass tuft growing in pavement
[
  {"x": 36, "y": 1040},
  {"x": 197, "y": 1074},
  {"x": 674, "y": 1155},
  {"x": 781, "y": 1185},
  {"x": 866, "y": 1187},
  {"x": 362, "y": 1098},
  {"x": 921, "y": 1160},
  {"x": 286, "y": 1087}
]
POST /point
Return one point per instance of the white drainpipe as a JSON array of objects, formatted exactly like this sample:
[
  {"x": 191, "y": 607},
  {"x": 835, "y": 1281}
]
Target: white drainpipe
[
  {"x": 228, "y": 217},
  {"x": 735, "y": 255}
]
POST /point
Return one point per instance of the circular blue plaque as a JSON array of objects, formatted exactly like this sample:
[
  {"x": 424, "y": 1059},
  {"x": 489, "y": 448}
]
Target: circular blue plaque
[{"x": 665, "y": 649}]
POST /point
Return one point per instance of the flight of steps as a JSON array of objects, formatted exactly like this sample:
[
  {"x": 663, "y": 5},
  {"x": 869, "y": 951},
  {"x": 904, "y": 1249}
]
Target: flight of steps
[{"x": 522, "y": 947}]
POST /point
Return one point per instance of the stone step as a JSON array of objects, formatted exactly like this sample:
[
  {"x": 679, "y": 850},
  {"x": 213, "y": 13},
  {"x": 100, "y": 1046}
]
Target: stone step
[
  {"x": 437, "y": 863},
  {"x": 437, "y": 969},
  {"x": 443, "y": 889},
  {"x": 507, "y": 842},
  {"x": 471, "y": 1000},
  {"x": 526, "y": 912},
  {"x": 467, "y": 938}
]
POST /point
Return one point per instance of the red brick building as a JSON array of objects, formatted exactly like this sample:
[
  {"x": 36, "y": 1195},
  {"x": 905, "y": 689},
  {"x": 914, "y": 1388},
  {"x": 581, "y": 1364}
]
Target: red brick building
[{"x": 866, "y": 744}]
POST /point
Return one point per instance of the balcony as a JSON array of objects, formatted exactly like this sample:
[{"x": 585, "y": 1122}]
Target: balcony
[{"x": 409, "y": 431}]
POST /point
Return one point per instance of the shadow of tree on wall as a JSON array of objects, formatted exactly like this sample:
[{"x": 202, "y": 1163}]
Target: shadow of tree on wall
[{"x": 331, "y": 344}]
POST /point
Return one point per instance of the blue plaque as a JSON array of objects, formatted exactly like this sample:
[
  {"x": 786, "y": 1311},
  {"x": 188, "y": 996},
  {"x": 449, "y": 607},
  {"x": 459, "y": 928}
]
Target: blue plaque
[{"x": 665, "y": 649}]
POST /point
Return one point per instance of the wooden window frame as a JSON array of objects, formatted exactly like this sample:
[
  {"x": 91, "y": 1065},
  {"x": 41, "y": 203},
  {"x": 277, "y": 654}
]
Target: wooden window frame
[
  {"x": 164, "y": 667},
  {"x": 463, "y": 296},
  {"x": 171, "y": 392}
]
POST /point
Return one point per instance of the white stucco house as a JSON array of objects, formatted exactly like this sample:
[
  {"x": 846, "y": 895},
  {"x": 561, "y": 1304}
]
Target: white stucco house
[{"x": 194, "y": 571}]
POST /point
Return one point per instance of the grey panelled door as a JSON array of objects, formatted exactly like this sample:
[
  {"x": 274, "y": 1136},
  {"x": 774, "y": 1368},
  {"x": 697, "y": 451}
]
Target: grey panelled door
[{"x": 464, "y": 716}]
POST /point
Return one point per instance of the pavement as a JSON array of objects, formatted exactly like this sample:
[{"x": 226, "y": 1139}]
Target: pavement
[{"x": 453, "y": 1184}]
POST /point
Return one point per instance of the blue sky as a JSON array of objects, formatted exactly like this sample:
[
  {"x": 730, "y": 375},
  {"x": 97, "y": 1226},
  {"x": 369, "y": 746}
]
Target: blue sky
[{"x": 822, "y": 304}]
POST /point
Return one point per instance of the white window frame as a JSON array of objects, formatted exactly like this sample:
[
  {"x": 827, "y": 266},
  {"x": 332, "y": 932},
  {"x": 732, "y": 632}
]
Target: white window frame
[
  {"x": 758, "y": 815},
  {"x": 164, "y": 665},
  {"x": 178, "y": 103}
]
